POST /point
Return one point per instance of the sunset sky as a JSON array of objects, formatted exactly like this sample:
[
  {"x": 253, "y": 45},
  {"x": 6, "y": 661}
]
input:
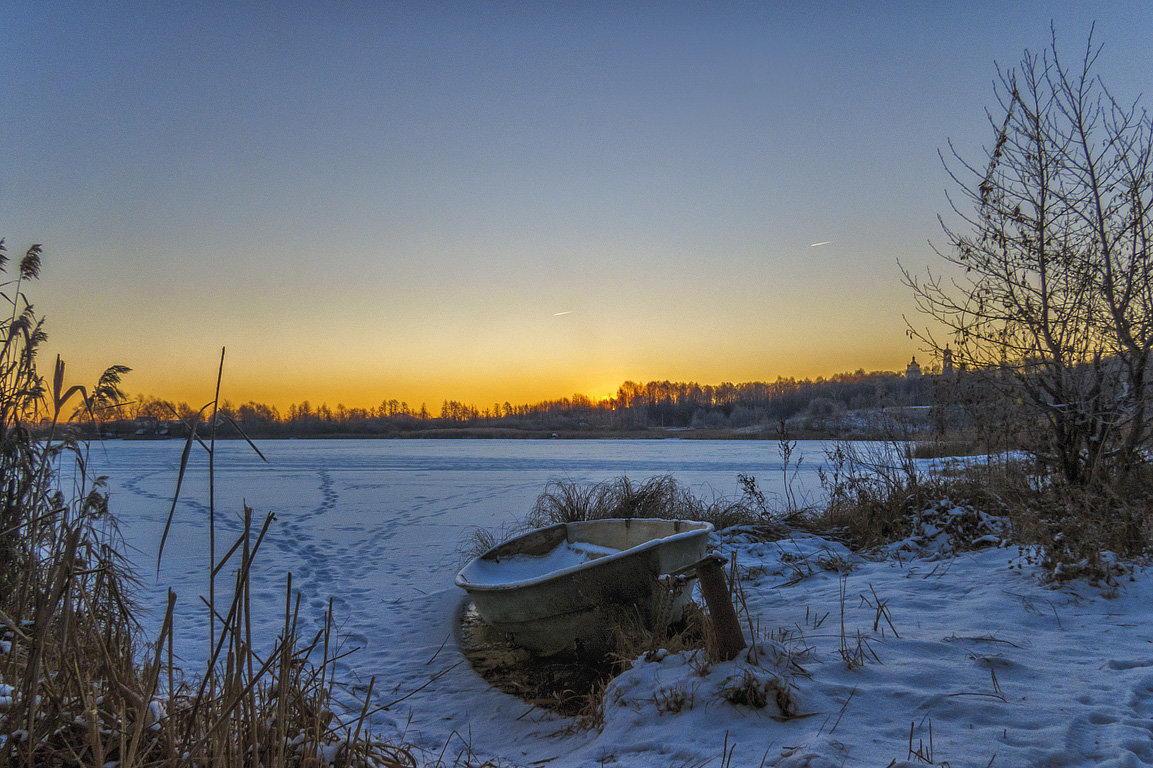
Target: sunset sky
[{"x": 496, "y": 201}]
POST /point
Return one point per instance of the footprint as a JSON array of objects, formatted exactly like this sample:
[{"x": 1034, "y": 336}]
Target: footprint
[
  {"x": 1102, "y": 717},
  {"x": 1122, "y": 664}
]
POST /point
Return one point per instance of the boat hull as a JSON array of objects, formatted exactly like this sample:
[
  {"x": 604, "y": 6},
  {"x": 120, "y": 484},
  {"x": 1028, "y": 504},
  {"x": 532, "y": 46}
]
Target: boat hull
[{"x": 578, "y": 606}]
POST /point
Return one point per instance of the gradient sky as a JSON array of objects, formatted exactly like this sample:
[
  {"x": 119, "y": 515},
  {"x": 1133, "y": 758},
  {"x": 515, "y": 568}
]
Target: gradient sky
[{"x": 496, "y": 201}]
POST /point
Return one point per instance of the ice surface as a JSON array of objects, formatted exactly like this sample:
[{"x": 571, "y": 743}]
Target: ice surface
[{"x": 1004, "y": 670}]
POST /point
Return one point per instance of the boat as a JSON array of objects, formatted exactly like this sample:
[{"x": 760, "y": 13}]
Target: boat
[{"x": 565, "y": 587}]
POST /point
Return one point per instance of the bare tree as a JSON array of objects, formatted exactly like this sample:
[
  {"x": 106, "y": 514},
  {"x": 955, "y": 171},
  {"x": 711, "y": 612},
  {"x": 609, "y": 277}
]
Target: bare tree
[{"x": 1049, "y": 300}]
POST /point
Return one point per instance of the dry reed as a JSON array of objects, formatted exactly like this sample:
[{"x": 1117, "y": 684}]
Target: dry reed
[
  {"x": 79, "y": 686},
  {"x": 566, "y": 501}
]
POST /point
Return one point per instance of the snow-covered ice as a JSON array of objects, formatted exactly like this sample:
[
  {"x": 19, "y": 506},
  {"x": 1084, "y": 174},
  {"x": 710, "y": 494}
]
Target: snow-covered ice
[{"x": 963, "y": 658}]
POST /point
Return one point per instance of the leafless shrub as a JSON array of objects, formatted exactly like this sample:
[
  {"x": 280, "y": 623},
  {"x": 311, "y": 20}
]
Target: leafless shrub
[{"x": 1046, "y": 298}]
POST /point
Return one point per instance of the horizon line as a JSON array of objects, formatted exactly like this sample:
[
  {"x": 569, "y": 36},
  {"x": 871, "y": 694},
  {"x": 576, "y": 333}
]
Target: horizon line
[{"x": 141, "y": 397}]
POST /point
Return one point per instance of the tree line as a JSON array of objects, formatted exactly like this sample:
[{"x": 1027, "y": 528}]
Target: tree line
[{"x": 636, "y": 406}]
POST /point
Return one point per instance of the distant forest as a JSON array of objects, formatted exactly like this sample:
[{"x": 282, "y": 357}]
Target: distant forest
[{"x": 636, "y": 407}]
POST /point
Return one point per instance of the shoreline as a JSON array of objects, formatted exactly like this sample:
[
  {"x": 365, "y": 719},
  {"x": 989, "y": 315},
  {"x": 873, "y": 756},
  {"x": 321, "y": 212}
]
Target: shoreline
[{"x": 466, "y": 433}]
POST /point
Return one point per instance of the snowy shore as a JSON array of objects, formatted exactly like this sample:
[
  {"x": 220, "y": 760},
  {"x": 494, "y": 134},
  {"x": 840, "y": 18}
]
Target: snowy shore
[{"x": 966, "y": 659}]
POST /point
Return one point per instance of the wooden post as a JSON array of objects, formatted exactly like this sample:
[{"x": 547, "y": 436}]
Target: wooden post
[{"x": 730, "y": 639}]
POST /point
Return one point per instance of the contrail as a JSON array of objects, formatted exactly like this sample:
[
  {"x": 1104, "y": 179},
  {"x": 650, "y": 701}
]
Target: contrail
[
  {"x": 814, "y": 245},
  {"x": 558, "y": 314}
]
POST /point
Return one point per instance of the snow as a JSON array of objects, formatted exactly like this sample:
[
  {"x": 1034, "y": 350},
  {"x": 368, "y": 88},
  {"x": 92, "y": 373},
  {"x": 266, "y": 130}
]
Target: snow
[
  {"x": 519, "y": 568},
  {"x": 925, "y": 651}
]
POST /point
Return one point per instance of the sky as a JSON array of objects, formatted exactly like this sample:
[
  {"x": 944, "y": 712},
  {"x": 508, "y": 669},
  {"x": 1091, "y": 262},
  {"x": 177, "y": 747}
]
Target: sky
[{"x": 495, "y": 202}]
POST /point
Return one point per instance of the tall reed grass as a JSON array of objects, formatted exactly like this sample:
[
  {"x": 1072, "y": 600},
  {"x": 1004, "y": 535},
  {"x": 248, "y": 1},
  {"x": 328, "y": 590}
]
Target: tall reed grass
[{"x": 78, "y": 684}]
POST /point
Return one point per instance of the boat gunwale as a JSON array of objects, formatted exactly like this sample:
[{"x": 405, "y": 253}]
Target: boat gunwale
[{"x": 462, "y": 582}]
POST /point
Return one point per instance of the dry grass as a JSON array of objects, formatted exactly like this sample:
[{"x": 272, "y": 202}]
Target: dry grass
[
  {"x": 874, "y": 492},
  {"x": 80, "y": 686},
  {"x": 566, "y": 501},
  {"x": 878, "y": 496},
  {"x": 756, "y": 691},
  {"x": 1073, "y": 530}
]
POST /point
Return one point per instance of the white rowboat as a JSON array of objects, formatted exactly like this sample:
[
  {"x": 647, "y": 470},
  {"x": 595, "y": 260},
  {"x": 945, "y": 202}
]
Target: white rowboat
[{"x": 566, "y": 586}]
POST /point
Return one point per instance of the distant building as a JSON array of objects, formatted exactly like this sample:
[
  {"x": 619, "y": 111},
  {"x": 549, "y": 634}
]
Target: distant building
[
  {"x": 947, "y": 361},
  {"x": 913, "y": 369}
]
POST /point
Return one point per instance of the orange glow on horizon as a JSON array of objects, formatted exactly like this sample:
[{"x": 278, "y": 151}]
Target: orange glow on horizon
[
  {"x": 521, "y": 358},
  {"x": 239, "y": 386}
]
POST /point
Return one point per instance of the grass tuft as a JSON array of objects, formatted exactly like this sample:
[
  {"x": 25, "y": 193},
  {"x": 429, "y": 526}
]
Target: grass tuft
[{"x": 566, "y": 501}]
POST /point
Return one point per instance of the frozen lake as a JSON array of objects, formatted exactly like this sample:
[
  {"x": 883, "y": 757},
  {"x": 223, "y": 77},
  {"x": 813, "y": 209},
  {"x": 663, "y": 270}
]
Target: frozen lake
[{"x": 378, "y": 525}]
